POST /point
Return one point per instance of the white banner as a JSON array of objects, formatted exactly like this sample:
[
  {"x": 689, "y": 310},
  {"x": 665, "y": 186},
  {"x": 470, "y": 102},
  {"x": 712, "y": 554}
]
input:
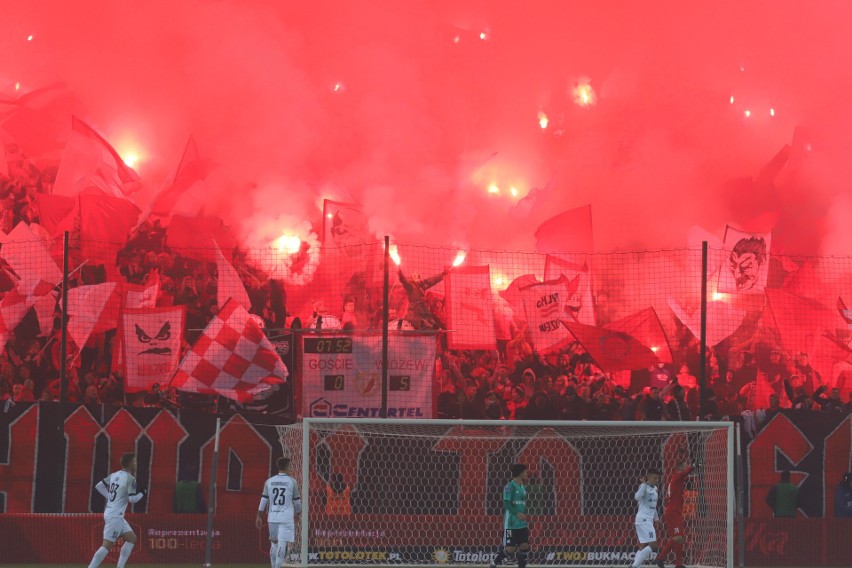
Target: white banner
[
  {"x": 470, "y": 309},
  {"x": 151, "y": 339},
  {"x": 579, "y": 305},
  {"x": 746, "y": 262},
  {"x": 544, "y": 305},
  {"x": 342, "y": 376}
]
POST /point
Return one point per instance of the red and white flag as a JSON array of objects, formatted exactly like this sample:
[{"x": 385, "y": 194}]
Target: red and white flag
[
  {"x": 45, "y": 309},
  {"x": 151, "y": 339},
  {"x": 190, "y": 170},
  {"x": 142, "y": 295},
  {"x": 544, "y": 305},
  {"x": 229, "y": 284},
  {"x": 579, "y": 305},
  {"x": 92, "y": 309},
  {"x": 232, "y": 358},
  {"x": 746, "y": 263},
  {"x": 13, "y": 307},
  {"x": 90, "y": 161},
  {"x": 470, "y": 309},
  {"x": 29, "y": 256}
]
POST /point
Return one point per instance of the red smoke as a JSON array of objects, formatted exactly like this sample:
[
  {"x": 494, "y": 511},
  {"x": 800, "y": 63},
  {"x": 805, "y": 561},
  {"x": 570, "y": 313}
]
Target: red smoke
[{"x": 414, "y": 108}]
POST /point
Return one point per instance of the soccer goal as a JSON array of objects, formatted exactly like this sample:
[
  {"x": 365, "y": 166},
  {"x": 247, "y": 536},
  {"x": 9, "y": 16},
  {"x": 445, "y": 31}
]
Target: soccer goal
[{"x": 429, "y": 492}]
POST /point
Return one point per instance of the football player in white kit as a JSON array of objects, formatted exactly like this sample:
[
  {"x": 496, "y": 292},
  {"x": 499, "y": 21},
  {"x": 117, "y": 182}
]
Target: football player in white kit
[
  {"x": 647, "y": 497},
  {"x": 281, "y": 495},
  {"x": 119, "y": 489}
]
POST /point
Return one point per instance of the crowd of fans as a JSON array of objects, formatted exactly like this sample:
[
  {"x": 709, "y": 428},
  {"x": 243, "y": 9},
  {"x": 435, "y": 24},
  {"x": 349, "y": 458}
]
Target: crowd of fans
[
  {"x": 512, "y": 382},
  {"x": 569, "y": 386}
]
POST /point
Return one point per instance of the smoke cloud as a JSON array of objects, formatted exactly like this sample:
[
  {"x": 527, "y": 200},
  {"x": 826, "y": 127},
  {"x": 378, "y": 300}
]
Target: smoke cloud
[{"x": 414, "y": 109}]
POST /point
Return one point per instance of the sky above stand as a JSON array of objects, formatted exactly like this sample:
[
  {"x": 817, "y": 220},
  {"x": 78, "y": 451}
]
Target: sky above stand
[{"x": 430, "y": 114}]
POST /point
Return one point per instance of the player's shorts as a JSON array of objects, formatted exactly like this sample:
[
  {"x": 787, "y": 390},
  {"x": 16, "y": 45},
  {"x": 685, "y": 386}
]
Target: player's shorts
[
  {"x": 645, "y": 531},
  {"x": 516, "y": 537},
  {"x": 674, "y": 524},
  {"x": 114, "y": 527},
  {"x": 282, "y": 532}
]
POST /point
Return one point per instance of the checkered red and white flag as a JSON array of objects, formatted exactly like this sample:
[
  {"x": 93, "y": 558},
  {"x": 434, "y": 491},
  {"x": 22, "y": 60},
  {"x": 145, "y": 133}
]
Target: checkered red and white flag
[{"x": 232, "y": 358}]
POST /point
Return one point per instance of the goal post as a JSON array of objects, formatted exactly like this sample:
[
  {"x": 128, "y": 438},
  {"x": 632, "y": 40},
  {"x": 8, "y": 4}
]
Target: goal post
[{"x": 429, "y": 492}]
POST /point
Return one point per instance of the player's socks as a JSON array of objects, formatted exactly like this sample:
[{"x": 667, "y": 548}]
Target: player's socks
[
  {"x": 124, "y": 554},
  {"x": 664, "y": 552},
  {"x": 273, "y": 553},
  {"x": 498, "y": 560},
  {"x": 678, "y": 550},
  {"x": 642, "y": 556},
  {"x": 280, "y": 556},
  {"x": 522, "y": 558},
  {"x": 99, "y": 556}
]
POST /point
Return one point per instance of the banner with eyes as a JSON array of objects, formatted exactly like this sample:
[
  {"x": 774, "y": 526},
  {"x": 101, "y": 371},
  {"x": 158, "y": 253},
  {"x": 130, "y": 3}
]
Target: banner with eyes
[{"x": 152, "y": 339}]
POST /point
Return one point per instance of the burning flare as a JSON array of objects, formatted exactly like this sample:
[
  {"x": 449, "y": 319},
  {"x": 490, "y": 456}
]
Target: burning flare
[
  {"x": 459, "y": 258},
  {"x": 584, "y": 94},
  {"x": 394, "y": 254},
  {"x": 288, "y": 243}
]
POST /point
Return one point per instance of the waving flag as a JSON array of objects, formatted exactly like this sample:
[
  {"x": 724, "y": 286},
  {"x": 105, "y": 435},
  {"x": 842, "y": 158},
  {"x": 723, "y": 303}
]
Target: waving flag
[
  {"x": 92, "y": 309},
  {"x": 232, "y": 358},
  {"x": 190, "y": 170},
  {"x": 570, "y": 231},
  {"x": 470, "y": 310},
  {"x": 90, "y": 161},
  {"x": 29, "y": 256},
  {"x": 13, "y": 307},
  {"x": 229, "y": 284},
  {"x": 646, "y": 327},
  {"x": 612, "y": 350},
  {"x": 151, "y": 339},
  {"x": 579, "y": 304},
  {"x": 544, "y": 305}
]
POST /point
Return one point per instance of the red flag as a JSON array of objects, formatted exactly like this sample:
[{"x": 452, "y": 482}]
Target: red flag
[
  {"x": 89, "y": 161},
  {"x": 570, "y": 231},
  {"x": 92, "y": 309},
  {"x": 199, "y": 236},
  {"x": 54, "y": 213},
  {"x": 612, "y": 350},
  {"x": 808, "y": 326},
  {"x": 229, "y": 284},
  {"x": 38, "y": 120},
  {"x": 646, "y": 327},
  {"x": 105, "y": 223},
  {"x": 232, "y": 358},
  {"x": 190, "y": 170},
  {"x": 470, "y": 310}
]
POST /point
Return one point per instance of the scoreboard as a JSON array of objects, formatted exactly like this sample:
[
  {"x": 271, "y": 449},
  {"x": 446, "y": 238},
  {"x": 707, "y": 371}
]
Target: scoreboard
[{"x": 342, "y": 376}]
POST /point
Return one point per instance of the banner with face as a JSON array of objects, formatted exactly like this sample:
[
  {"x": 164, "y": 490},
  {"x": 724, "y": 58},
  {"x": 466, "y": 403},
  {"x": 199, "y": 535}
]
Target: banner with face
[
  {"x": 152, "y": 339},
  {"x": 746, "y": 262}
]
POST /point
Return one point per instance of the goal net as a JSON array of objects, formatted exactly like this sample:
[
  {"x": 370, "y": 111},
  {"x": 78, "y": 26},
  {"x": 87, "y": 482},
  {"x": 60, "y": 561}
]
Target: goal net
[{"x": 402, "y": 492}]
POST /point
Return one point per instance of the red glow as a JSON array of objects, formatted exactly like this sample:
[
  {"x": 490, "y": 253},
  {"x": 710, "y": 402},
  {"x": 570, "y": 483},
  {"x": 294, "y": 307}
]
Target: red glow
[{"x": 329, "y": 98}]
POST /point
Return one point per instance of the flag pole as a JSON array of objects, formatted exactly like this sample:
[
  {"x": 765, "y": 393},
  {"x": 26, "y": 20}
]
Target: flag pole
[
  {"x": 385, "y": 323},
  {"x": 211, "y": 502},
  {"x": 702, "y": 360},
  {"x": 63, "y": 340}
]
